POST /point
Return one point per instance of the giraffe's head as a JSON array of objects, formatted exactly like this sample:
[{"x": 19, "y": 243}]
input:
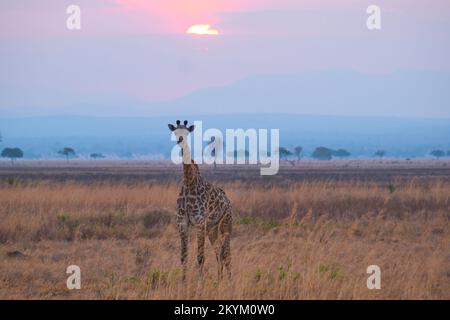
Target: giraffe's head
[{"x": 181, "y": 132}]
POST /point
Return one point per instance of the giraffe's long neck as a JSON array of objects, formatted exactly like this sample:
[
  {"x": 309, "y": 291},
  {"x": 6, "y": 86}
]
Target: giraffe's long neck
[
  {"x": 186, "y": 154},
  {"x": 190, "y": 168}
]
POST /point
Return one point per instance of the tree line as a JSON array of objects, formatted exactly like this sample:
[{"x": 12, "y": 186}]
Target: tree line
[
  {"x": 68, "y": 153},
  {"x": 324, "y": 153},
  {"x": 320, "y": 153}
]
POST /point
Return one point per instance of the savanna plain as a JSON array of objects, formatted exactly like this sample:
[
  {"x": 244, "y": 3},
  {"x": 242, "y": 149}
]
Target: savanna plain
[{"x": 308, "y": 233}]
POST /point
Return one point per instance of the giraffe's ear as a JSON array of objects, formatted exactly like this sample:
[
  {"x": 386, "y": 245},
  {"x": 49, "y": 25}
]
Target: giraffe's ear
[
  {"x": 191, "y": 128},
  {"x": 171, "y": 127}
]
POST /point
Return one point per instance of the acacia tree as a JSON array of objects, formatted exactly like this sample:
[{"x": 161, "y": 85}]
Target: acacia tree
[
  {"x": 12, "y": 153},
  {"x": 213, "y": 151},
  {"x": 341, "y": 153},
  {"x": 298, "y": 152},
  {"x": 437, "y": 153},
  {"x": 96, "y": 156},
  {"x": 380, "y": 154},
  {"x": 322, "y": 153},
  {"x": 67, "y": 152},
  {"x": 284, "y": 153}
]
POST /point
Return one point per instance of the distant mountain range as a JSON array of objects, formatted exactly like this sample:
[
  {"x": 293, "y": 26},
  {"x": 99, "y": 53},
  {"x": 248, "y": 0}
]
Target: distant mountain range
[
  {"x": 411, "y": 94},
  {"x": 400, "y": 94}
]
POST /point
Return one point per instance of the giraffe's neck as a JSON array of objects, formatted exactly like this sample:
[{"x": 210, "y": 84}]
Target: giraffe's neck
[
  {"x": 191, "y": 172},
  {"x": 186, "y": 154}
]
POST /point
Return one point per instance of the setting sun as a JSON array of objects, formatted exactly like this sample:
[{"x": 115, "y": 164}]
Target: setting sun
[{"x": 202, "y": 29}]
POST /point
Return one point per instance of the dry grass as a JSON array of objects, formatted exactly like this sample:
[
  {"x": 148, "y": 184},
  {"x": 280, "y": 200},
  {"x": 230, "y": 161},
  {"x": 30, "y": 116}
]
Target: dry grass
[{"x": 297, "y": 241}]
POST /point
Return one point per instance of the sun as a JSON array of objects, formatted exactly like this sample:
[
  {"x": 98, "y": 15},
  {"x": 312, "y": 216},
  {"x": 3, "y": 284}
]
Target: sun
[{"x": 202, "y": 29}]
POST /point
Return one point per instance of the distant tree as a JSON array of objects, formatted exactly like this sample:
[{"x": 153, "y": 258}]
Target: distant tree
[
  {"x": 298, "y": 152},
  {"x": 448, "y": 153},
  {"x": 380, "y": 154},
  {"x": 284, "y": 153},
  {"x": 437, "y": 153},
  {"x": 341, "y": 153},
  {"x": 213, "y": 151},
  {"x": 12, "y": 153},
  {"x": 322, "y": 153},
  {"x": 96, "y": 156},
  {"x": 67, "y": 152}
]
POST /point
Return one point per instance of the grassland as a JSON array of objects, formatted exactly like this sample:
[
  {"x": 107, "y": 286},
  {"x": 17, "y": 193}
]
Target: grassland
[{"x": 293, "y": 238}]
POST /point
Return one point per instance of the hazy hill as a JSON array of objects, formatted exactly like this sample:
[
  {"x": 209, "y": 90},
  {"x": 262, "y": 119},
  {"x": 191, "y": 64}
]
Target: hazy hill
[
  {"x": 412, "y": 94},
  {"x": 409, "y": 93}
]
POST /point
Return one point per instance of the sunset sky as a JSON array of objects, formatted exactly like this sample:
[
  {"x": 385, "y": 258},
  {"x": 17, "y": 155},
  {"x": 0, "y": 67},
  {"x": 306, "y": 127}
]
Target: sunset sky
[{"x": 139, "y": 50}]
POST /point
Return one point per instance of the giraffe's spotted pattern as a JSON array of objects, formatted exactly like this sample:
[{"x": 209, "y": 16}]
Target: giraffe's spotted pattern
[{"x": 206, "y": 208}]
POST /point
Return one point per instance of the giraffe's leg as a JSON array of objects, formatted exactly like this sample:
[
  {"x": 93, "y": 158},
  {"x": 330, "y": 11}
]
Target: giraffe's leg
[
  {"x": 225, "y": 252},
  {"x": 213, "y": 233},
  {"x": 200, "y": 248},
  {"x": 183, "y": 228}
]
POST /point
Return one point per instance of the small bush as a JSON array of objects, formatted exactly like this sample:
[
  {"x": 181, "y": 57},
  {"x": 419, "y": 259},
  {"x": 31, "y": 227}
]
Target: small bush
[
  {"x": 156, "y": 277},
  {"x": 156, "y": 218},
  {"x": 11, "y": 181},
  {"x": 391, "y": 188},
  {"x": 332, "y": 271}
]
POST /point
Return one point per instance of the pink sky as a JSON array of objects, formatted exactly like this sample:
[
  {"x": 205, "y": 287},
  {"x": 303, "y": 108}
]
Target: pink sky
[
  {"x": 138, "y": 49},
  {"x": 175, "y": 16}
]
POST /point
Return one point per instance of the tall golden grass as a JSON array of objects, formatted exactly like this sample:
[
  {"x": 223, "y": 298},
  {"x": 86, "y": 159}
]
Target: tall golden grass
[{"x": 311, "y": 240}]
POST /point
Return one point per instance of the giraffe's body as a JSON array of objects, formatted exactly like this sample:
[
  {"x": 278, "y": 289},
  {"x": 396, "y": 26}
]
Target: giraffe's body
[{"x": 204, "y": 207}]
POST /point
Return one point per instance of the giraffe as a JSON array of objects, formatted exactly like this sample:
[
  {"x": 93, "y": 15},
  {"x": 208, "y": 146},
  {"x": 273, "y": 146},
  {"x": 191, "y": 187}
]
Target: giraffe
[{"x": 204, "y": 207}]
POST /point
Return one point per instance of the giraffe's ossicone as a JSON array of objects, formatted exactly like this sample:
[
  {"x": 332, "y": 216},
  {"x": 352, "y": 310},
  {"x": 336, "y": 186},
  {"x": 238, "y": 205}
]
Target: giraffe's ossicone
[{"x": 203, "y": 206}]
